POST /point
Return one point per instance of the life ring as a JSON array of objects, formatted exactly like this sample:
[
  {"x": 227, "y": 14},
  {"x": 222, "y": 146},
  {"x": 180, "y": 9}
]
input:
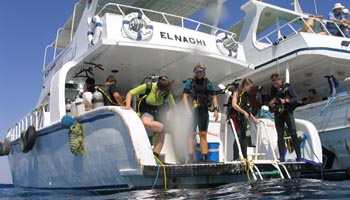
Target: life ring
[
  {"x": 226, "y": 44},
  {"x": 95, "y": 30},
  {"x": 27, "y": 139},
  {"x": 137, "y": 26}
]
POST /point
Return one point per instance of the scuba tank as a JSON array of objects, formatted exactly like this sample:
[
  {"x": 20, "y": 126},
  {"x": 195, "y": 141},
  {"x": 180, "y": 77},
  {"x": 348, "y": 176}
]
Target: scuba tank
[
  {"x": 79, "y": 106},
  {"x": 228, "y": 90},
  {"x": 87, "y": 99},
  {"x": 97, "y": 99},
  {"x": 73, "y": 110},
  {"x": 69, "y": 107}
]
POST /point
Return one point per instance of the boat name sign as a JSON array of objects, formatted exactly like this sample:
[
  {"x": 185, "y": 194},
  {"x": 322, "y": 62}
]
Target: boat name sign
[{"x": 184, "y": 39}]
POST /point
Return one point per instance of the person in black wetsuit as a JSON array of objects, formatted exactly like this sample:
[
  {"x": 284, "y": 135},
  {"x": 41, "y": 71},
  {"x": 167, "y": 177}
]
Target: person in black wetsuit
[
  {"x": 112, "y": 91},
  {"x": 201, "y": 91},
  {"x": 283, "y": 102},
  {"x": 240, "y": 113}
]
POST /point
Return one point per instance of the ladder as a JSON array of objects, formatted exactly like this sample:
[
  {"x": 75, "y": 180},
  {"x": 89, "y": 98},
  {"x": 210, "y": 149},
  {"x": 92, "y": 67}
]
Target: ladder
[{"x": 256, "y": 173}]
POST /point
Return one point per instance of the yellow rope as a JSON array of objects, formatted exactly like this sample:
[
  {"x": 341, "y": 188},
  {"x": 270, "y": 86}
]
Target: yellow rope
[
  {"x": 139, "y": 104},
  {"x": 247, "y": 167},
  {"x": 164, "y": 171}
]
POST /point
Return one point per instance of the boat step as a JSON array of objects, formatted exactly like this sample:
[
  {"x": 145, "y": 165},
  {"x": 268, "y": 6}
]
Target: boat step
[
  {"x": 273, "y": 172},
  {"x": 257, "y": 156},
  {"x": 128, "y": 172}
]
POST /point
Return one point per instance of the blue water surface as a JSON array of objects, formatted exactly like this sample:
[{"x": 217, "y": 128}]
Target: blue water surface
[{"x": 265, "y": 189}]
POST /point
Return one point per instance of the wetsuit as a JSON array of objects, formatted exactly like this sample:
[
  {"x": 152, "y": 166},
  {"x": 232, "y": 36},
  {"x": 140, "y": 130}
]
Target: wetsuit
[
  {"x": 284, "y": 114},
  {"x": 240, "y": 124},
  {"x": 201, "y": 91}
]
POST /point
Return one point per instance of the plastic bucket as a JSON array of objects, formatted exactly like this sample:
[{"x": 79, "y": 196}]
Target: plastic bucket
[{"x": 213, "y": 151}]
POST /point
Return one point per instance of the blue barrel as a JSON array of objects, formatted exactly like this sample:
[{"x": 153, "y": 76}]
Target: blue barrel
[{"x": 213, "y": 151}]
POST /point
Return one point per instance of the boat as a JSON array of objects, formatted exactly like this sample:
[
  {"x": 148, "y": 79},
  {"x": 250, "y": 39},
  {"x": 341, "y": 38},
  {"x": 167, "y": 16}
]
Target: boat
[
  {"x": 107, "y": 149},
  {"x": 300, "y": 48}
]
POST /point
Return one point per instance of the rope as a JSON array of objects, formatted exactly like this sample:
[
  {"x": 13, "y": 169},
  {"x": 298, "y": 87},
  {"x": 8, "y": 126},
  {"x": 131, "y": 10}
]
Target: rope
[
  {"x": 139, "y": 104},
  {"x": 164, "y": 171},
  {"x": 329, "y": 102},
  {"x": 302, "y": 145},
  {"x": 155, "y": 181},
  {"x": 247, "y": 168},
  {"x": 265, "y": 114}
]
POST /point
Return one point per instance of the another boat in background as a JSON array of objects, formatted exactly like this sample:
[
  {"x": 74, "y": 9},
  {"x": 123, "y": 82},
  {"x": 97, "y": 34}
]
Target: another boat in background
[{"x": 301, "y": 48}]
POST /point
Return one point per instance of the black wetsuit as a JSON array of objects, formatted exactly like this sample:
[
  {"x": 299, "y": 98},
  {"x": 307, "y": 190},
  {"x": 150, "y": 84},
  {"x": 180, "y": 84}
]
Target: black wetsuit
[
  {"x": 284, "y": 115},
  {"x": 240, "y": 124}
]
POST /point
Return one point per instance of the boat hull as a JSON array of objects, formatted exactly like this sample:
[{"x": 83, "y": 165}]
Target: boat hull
[
  {"x": 106, "y": 156},
  {"x": 116, "y": 158}
]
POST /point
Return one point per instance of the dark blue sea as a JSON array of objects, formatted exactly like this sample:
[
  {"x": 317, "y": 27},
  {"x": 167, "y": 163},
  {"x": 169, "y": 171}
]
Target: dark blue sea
[{"x": 265, "y": 189}]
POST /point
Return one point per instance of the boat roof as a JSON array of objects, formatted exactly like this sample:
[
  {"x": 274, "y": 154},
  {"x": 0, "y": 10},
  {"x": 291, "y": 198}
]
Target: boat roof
[
  {"x": 269, "y": 16},
  {"x": 182, "y": 8}
]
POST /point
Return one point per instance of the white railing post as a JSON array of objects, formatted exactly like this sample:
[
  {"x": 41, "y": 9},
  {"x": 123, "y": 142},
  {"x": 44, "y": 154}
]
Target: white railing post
[
  {"x": 45, "y": 53},
  {"x": 73, "y": 20},
  {"x": 225, "y": 142},
  {"x": 236, "y": 139},
  {"x": 58, "y": 32}
]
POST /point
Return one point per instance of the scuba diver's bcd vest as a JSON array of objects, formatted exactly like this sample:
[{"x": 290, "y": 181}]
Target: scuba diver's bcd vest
[
  {"x": 108, "y": 99},
  {"x": 201, "y": 93},
  {"x": 142, "y": 104},
  {"x": 279, "y": 94},
  {"x": 242, "y": 102}
]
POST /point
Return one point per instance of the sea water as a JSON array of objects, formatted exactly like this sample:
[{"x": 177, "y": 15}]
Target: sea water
[{"x": 264, "y": 189}]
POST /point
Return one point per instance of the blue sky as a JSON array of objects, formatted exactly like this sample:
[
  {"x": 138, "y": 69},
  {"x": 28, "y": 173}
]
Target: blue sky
[{"x": 29, "y": 26}]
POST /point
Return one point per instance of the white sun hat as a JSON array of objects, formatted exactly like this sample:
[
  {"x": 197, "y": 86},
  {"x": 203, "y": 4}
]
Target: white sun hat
[
  {"x": 345, "y": 11},
  {"x": 338, "y": 5}
]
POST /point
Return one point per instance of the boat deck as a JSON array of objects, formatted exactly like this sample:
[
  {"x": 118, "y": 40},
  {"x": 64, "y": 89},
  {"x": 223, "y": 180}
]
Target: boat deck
[{"x": 229, "y": 168}]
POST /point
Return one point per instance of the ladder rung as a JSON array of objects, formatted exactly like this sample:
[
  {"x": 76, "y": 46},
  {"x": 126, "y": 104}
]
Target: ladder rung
[
  {"x": 257, "y": 154},
  {"x": 273, "y": 172}
]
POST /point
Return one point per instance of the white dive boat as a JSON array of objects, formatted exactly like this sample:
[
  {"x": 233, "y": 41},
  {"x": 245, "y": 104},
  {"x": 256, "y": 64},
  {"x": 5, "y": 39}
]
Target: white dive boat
[
  {"x": 300, "y": 48},
  {"x": 116, "y": 153}
]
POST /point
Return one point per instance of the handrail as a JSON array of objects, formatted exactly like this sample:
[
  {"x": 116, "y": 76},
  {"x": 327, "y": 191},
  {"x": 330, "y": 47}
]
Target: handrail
[
  {"x": 58, "y": 32},
  {"x": 73, "y": 20},
  {"x": 45, "y": 53},
  {"x": 280, "y": 28},
  {"x": 164, "y": 15},
  {"x": 120, "y": 7},
  {"x": 50, "y": 45},
  {"x": 233, "y": 128},
  {"x": 295, "y": 31},
  {"x": 23, "y": 124},
  {"x": 336, "y": 25}
]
